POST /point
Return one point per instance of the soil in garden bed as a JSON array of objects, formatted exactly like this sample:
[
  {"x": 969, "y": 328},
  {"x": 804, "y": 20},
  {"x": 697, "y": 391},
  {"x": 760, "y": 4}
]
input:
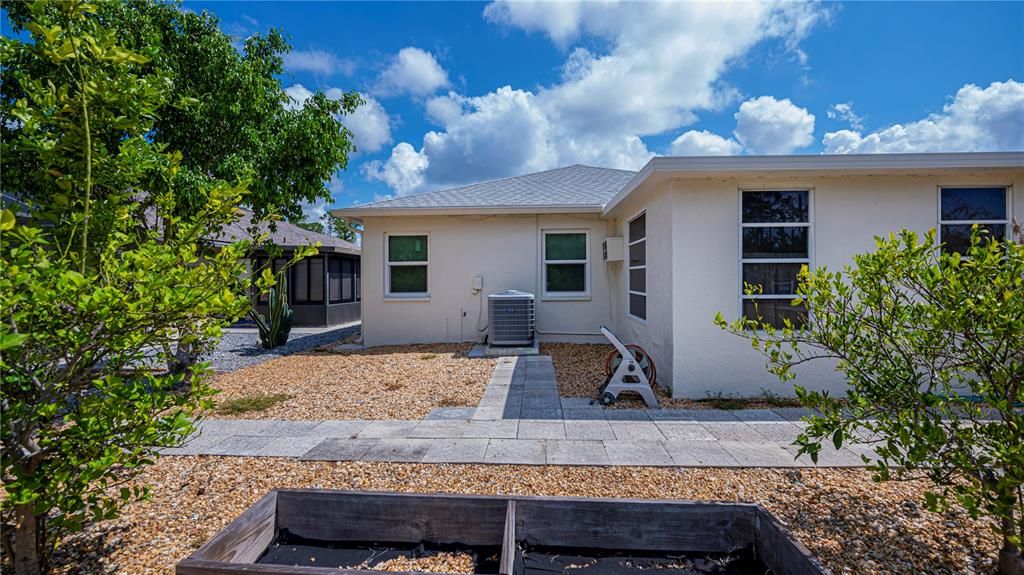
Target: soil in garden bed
[
  {"x": 428, "y": 557},
  {"x": 558, "y": 560}
]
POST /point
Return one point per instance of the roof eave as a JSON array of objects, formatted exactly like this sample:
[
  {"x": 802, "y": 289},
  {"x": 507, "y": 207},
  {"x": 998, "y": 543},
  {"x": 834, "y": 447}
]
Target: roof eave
[
  {"x": 834, "y": 164},
  {"x": 358, "y": 212}
]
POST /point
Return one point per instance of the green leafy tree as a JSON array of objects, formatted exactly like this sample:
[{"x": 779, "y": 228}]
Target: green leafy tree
[
  {"x": 94, "y": 282},
  {"x": 238, "y": 124},
  {"x": 312, "y": 226},
  {"x": 343, "y": 228},
  {"x": 932, "y": 346}
]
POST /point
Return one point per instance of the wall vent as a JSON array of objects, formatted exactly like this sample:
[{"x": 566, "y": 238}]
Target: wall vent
[{"x": 511, "y": 315}]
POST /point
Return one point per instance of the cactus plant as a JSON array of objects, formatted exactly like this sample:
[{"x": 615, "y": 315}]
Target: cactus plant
[{"x": 275, "y": 331}]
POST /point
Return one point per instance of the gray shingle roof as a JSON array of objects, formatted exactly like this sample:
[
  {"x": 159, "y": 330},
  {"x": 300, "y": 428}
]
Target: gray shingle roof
[
  {"x": 287, "y": 235},
  {"x": 570, "y": 186}
]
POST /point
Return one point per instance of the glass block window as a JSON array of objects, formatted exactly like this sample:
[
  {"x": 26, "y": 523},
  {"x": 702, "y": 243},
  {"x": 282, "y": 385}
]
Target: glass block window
[
  {"x": 775, "y": 243},
  {"x": 961, "y": 208},
  {"x": 407, "y": 262},
  {"x": 566, "y": 264}
]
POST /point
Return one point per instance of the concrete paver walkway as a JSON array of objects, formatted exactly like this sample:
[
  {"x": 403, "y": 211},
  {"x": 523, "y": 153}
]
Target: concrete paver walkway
[{"x": 521, "y": 420}]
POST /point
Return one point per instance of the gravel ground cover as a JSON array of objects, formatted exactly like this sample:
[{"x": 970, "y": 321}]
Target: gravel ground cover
[
  {"x": 239, "y": 349},
  {"x": 390, "y": 382},
  {"x": 579, "y": 371},
  {"x": 852, "y": 524}
]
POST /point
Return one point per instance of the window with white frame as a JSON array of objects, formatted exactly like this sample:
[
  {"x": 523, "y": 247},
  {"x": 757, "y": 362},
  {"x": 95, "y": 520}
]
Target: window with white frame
[
  {"x": 775, "y": 241},
  {"x": 566, "y": 263},
  {"x": 637, "y": 248},
  {"x": 407, "y": 263},
  {"x": 961, "y": 208}
]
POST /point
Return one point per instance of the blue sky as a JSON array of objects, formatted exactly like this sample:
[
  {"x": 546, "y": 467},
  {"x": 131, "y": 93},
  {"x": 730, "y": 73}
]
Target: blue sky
[{"x": 461, "y": 92}]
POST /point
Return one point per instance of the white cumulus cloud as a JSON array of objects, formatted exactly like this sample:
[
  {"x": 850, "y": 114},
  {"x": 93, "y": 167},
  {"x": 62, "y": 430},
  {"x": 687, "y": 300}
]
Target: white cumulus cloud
[
  {"x": 412, "y": 71},
  {"x": 844, "y": 112},
  {"x": 318, "y": 62},
  {"x": 403, "y": 170},
  {"x": 704, "y": 143},
  {"x": 639, "y": 69},
  {"x": 765, "y": 125},
  {"x": 370, "y": 123},
  {"x": 977, "y": 119}
]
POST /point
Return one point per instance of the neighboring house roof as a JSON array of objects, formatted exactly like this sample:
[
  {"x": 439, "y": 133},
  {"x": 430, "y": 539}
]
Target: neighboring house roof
[
  {"x": 588, "y": 189},
  {"x": 286, "y": 236},
  {"x": 575, "y": 188}
]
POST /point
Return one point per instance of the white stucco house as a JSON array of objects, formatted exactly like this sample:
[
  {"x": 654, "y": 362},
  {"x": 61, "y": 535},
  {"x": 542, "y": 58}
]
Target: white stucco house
[{"x": 693, "y": 229}]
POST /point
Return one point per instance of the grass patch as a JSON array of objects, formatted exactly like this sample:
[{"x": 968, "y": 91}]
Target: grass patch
[
  {"x": 251, "y": 403},
  {"x": 776, "y": 400},
  {"x": 722, "y": 401},
  {"x": 427, "y": 356}
]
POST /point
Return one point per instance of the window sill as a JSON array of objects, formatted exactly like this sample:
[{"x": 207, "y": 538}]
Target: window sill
[
  {"x": 552, "y": 297},
  {"x": 398, "y": 298}
]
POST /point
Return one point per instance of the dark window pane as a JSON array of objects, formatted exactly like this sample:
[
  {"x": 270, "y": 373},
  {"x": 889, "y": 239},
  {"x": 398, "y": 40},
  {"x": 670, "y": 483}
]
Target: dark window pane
[
  {"x": 358, "y": 278},
  {"x": 565, "y": 246},
  {"x": 334, "y": 288},
  {"x": 407, "y": 248},
  {"x": 638, "y": 228},
  {"x": 300, "y": 283},
  {"x": 957, "y": 237},
  {"x": 279, "y": 263},
  {"x": 775, "y": 207},
  {"x": 973, "y": 204},
  {"x": 775, "y": 242},
  {"x": 566, "y": 278},
  {"x": 346, "y": 280},
  {"x": 316, "y": 280},
  {"x": 638, "y": 305},
  {"x": 256, "y": 272},
  {"x": 408, "y": 279},
  {"x": 775, "y": 311},
  {"x": 638, "y": 254},
  {"x": 774, "y": 279},
  {"x": 638, "y": 280}
]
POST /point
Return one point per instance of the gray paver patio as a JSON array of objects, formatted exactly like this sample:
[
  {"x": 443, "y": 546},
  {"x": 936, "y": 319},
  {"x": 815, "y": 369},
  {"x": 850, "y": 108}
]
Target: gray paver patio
[
  {"x": 696, "y": 453},
  {"x": 522, "y": 420},
  {"x": 456, "y": 451},
  {"x": 648, "y": 453},
  {"x": 573, "y": 452},
  {"x": 339, "y": 449},
  {"x": 518, "y": 451}
]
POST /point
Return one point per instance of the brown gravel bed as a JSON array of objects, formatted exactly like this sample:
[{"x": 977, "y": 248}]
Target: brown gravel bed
[
  {"x": 579, "y": 371},
  {"x": 390, "y": 382},
  {"x": 852, "y": 524}
]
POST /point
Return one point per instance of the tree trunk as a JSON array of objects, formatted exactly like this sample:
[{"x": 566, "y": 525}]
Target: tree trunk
[
  {"x": 1010, "y": 560},
  {"x": 27, "y": 560}
]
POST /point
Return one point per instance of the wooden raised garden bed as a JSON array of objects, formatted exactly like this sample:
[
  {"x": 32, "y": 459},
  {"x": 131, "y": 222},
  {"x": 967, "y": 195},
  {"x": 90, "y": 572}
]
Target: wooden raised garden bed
[{"x": 320, "y": 532}]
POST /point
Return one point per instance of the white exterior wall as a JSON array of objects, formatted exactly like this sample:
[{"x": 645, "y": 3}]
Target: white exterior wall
[
  {"x": 655, "y": 333},
  {"x": 506, "y": 251},
  {"x": 846, "y": 214}
]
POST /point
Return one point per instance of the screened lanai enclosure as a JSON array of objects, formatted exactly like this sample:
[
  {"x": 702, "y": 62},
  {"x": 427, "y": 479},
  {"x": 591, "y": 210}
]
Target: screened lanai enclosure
[{"x": 323, "y": 290}]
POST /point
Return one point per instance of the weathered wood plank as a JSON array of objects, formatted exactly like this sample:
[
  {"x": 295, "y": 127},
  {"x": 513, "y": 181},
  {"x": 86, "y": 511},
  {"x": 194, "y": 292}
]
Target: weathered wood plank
[
  {"x": 395, "y": 517},
  {"x": 635, "y": 524},
  {"x": 508, "y": 546},
  {"x": 245, "y": 538},
  {"x": 780, "y": 551}
]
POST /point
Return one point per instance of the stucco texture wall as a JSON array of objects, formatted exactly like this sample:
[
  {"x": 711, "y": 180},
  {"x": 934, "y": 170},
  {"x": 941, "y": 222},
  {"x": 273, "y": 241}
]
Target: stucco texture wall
[
  {"x": 654, "y": 333},
  {"x": 506, "y": 251},
  {"x": 846, "y": 214}
]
